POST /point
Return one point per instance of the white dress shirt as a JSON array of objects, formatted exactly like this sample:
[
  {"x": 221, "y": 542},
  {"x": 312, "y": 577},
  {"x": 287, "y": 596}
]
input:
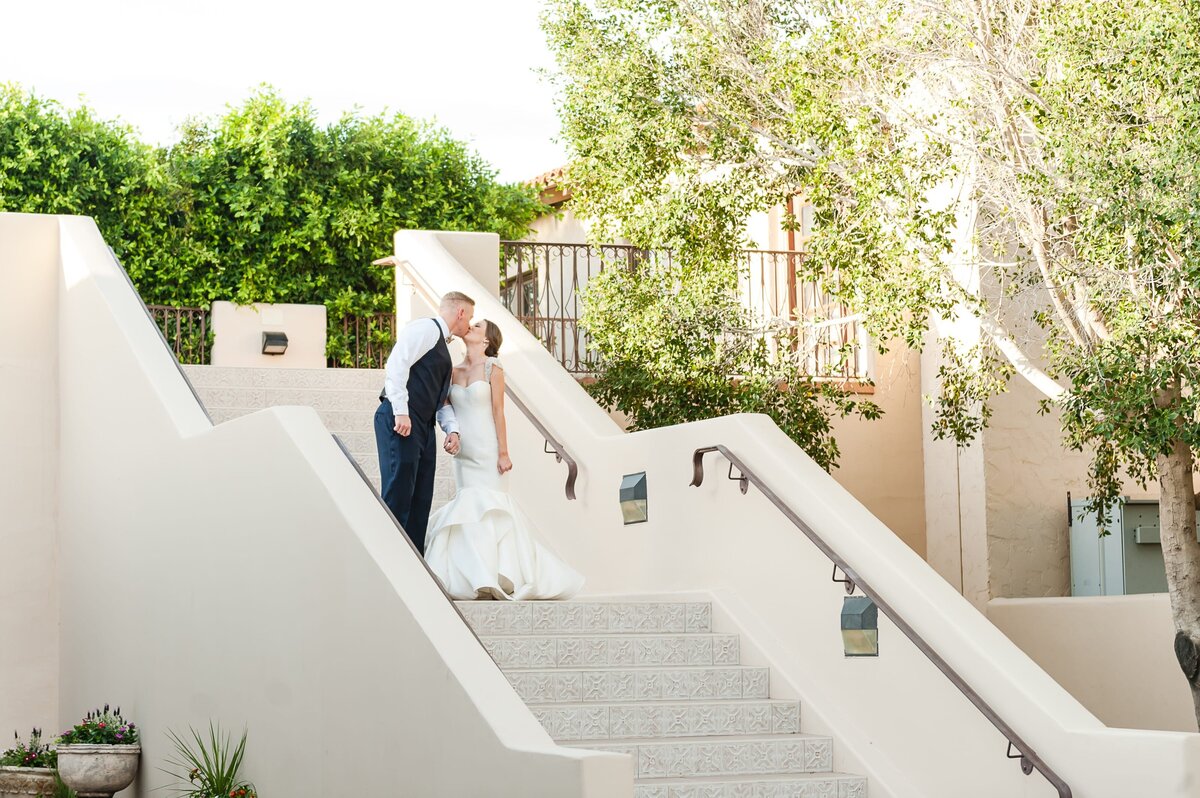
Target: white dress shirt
[{"x": 414, "y": 342}]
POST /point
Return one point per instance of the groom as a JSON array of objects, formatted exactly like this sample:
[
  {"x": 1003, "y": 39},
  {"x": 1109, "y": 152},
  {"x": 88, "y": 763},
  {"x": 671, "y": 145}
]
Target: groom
[{"x": 415, "y": 386}]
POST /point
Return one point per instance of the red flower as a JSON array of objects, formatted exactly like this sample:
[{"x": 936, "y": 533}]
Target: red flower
[{"x": 100, "y": 725}]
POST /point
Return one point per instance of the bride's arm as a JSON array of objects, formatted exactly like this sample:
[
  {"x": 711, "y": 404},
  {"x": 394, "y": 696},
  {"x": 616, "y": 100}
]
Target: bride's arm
[{"x": 497, "y": 382}]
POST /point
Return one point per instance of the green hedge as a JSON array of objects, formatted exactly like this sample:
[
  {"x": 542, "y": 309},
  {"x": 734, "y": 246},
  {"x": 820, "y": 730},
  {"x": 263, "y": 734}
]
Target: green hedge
[{"x": 262, "y": 204}]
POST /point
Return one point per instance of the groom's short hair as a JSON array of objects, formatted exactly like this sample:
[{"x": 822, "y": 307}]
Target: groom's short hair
[{"x": 457, "y": 297}]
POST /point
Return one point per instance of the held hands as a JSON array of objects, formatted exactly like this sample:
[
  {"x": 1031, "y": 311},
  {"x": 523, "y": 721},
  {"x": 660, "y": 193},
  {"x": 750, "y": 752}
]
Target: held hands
[
  {"x": 403, "y": 426},
  {"x": 452, "y": 444},
  {"x": 504, "y": 464}
]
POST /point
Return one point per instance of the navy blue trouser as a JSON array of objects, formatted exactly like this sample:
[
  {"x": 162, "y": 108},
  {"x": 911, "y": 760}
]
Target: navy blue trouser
[{"x": 407, "y": 466}]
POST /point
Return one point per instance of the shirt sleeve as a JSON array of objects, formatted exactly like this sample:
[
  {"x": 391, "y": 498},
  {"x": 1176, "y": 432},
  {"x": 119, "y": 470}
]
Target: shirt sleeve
[
  {"x": 414, "y": 341},
  {"x": 446, "y": 419}
]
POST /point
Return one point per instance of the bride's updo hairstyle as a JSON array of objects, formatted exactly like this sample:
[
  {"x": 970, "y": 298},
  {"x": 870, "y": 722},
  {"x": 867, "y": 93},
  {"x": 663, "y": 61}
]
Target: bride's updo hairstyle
[{"x": 494, "y": 337}]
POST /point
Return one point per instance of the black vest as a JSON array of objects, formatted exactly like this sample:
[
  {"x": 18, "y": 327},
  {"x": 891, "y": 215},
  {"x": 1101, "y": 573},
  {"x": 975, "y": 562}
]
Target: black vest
[{"x": 429, "y": 381}]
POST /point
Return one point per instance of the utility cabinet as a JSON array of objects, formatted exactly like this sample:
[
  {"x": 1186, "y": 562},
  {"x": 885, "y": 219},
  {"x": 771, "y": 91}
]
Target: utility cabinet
[{"x": 1127, "y": 560}]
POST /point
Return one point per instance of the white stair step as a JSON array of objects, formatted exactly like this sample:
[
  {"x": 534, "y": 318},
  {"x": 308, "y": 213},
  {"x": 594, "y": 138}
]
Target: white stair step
[
  {"x": 351, "y": 401},
  {"x": 366, "y": 379},
  {"x": 233, "y": 396},
  {"x": 339, "y": 421},
  {"x": 361, "y": 404},
  {"x": 722, "y": 756},
  {"x": 351, "y": 423},
  {"x": 594, "y": 686},
  {"x": 603, "y": 650},
  {"x": 551, "y": 617},
  {"x": 816, "y": 785},
  {"x": 680, "y": 719}
]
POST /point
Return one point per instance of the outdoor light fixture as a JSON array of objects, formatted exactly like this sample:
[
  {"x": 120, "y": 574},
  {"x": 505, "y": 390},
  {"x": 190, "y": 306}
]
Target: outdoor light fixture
[
  {"x": 860, "y": 627},
  {"x": 274, "y": 343},
  {"x": 633, "y": 498}
]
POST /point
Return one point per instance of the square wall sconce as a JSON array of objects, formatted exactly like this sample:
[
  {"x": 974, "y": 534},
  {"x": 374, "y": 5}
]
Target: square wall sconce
[
  {"x": 860, "y": 627},
  {"x": 633, "y": 498},
  {"x": 274, "y": 343}
]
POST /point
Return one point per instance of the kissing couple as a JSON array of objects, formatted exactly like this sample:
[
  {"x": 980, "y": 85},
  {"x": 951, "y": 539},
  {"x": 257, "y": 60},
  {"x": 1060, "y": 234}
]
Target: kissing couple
[{"x": 480, "y": 545}]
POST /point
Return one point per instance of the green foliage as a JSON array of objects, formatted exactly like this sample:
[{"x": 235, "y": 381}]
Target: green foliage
[
  {"x": 684, "y": 118},
  {"x": 101, "y": 727},
  {"x": 1076, "y": 121},
  {"x": 54, "y": 160},
  {"x": 968, "y": 379},
  {"x": 1122, "y": 125},
  {"x": 678, "y": 346},
  {"x": 29, "y": 754},
  {"x": 208, "y": 768},
  {"x": 260, "y": 205}
]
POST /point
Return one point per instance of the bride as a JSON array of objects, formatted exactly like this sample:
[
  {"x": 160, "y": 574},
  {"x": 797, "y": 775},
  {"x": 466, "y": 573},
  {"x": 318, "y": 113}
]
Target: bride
[{"x": 481, "y": 545}]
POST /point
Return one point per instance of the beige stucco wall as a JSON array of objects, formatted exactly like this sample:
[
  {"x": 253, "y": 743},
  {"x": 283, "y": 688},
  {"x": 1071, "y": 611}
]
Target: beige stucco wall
[
  {"x": 238, "y": 330},
  {"x": 1114, "y": 653},
  {"x": 246, "y": 574},
  {"x": 563, "y": 227},
  {"x": 881, "y": 461},
  {"x": 773, "y": 584},
  {"x": 1028, "y": 473},
  {"x": 29, "y": 285}
]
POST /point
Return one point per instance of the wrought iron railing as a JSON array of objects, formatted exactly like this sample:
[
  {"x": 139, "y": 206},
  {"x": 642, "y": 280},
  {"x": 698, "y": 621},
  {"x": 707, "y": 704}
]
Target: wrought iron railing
[
  {"x": 361, "y": 342},
  {"x": 822, "y": 330},
  {"x": 187, "y": 331},
  {"x": 541, "y": 284}
]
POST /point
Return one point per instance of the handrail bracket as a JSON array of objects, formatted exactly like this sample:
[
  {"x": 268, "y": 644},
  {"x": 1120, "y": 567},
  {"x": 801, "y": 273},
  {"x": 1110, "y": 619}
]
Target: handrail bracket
[
  {"x": 1026, "y": 764},
  {"x": 847, "y": 581},
  {"x": 742, "y": 480}
]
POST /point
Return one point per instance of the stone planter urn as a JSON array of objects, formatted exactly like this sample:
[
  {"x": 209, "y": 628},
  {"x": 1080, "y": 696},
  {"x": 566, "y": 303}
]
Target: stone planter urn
[
  {"x": 26, "y": 782},
  {"x": 98, "y": 771}
]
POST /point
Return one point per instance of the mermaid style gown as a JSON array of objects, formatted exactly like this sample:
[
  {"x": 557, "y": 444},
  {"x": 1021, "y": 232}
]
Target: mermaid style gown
[{"x": 481, "y": 545}]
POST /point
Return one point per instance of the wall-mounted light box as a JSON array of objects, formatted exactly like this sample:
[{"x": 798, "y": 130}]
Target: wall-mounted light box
[
  {"x": 634, "y": 504},
  {"x": 860, "y": 627},
  {"x": 274, "y": 343}
]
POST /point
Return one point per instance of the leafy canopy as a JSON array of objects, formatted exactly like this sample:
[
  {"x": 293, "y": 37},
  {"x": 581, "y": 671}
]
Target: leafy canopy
[
  {"x": 262, "y": 204},
  {"x": 683, "y": 118}
]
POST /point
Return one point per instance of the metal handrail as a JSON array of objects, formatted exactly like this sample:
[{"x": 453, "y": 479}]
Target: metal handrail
[
  {"x": 555, "y": 446},
  {"x": 1030, "y": 759}
]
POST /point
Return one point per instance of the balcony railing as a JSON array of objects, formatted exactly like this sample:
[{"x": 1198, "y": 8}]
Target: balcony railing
[
  {"x": 362, "y": 342},
  {"x": 188, "y": 331},
  {"x": 541, "y": 283}
]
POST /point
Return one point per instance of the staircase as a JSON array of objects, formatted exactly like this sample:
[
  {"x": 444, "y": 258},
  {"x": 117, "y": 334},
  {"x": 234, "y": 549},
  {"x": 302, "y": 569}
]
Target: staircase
[
  {"x": 345, "y": 399},
  {"x": 653, "y": 681}
]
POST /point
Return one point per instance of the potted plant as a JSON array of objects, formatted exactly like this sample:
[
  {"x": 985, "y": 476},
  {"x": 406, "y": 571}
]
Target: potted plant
[
  {"x": 210, "y": 768},
  {"x": 27, "y": 768},
  {"x": 99, "y": 755}
]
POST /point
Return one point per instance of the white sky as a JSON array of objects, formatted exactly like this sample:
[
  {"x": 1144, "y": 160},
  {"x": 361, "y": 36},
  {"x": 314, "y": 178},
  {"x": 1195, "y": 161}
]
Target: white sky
[{"x": 468, "y": 64}]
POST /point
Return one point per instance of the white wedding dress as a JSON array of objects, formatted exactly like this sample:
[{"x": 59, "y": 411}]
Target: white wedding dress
[{"x": 481, "y": 545}]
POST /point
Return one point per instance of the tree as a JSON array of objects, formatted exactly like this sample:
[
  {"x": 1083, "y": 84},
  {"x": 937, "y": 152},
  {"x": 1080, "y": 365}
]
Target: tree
[
  {"x": 674, "y": 144},
  {"x": 1066, "y": 131},
  {"x": 262, "y": 204},
  {"x": 71, "y": 162}
]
